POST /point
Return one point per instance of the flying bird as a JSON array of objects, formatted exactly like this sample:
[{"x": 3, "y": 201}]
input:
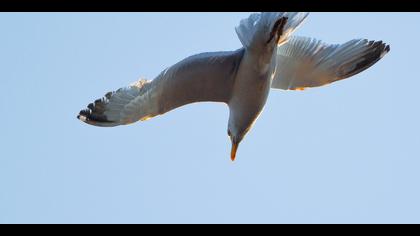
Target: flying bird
[{"x": 270, "y": 58}]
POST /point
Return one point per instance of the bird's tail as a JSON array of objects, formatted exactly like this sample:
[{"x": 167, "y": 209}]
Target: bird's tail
[{"x": 258, "y": 26}]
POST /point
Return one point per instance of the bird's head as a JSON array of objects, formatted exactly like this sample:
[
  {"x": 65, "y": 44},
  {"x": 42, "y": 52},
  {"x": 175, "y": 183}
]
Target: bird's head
[
  {"x": 236, "y": 133},
  {"x": 235, "y": 139}
]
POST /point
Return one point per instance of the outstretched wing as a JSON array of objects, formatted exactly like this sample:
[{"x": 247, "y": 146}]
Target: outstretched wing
[
  {"x": 203, "y": 77},
  {"x": 304, "y": 62}
]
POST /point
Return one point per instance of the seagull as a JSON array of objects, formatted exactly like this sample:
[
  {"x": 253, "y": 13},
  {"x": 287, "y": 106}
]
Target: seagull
[{"x": 270, "y": 58}]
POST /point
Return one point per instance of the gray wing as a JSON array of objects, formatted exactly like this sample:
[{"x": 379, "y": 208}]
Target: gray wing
[
  {"x": 203, "y": 77},
  {"x": 304, "y": 62}
]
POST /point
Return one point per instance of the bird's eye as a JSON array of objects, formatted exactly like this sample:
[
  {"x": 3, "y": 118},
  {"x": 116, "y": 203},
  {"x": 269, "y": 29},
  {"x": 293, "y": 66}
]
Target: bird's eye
[{"x": 229, "y": 133}]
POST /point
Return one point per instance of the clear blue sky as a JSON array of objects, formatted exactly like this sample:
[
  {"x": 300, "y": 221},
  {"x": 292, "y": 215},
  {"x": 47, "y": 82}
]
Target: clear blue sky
[{"x": 345, "y": 153}]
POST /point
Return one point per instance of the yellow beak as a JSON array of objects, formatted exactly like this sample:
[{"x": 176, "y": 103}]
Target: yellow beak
[{"x": 233, "y": 151}]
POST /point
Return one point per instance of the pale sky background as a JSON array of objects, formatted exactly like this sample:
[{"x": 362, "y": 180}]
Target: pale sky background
[{"x": 345, "y": 153}]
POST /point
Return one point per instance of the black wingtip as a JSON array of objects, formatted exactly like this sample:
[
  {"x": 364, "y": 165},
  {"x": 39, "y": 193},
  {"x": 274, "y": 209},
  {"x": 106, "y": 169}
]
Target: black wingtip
[
  {"x": 89, "y": 117},
  {"x": 377, "y": 50},
  {"x": 387, "y": 48}
]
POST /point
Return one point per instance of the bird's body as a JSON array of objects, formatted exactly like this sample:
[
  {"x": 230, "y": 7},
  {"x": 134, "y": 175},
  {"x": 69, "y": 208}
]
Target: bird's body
[
  {"x": 249, "y": 94},
  {"x": 242, "y": 79}
]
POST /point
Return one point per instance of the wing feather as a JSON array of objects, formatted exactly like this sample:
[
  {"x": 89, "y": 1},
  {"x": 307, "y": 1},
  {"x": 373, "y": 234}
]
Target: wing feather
[{"x": 305, "y": 62}]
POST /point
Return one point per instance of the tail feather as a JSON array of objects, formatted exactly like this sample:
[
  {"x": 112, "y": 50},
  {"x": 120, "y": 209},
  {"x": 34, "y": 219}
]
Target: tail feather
[{"x": 258, "y": 26}]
